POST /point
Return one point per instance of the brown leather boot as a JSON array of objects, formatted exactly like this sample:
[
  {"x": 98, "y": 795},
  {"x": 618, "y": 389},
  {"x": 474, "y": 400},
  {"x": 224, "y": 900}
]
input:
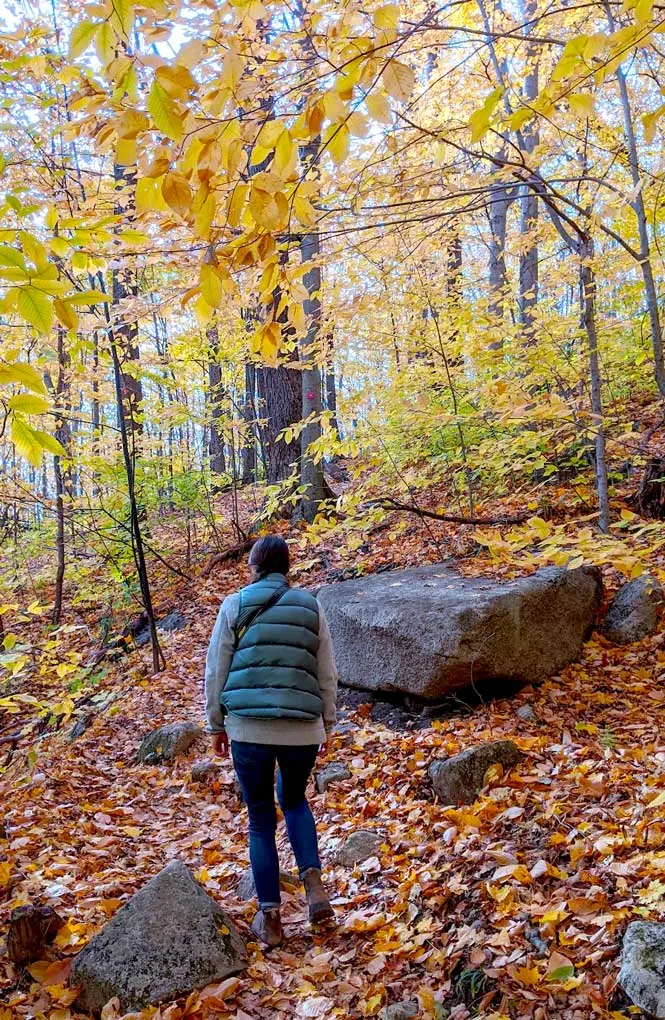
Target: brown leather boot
[
  {"x": 267, "y": 926},
  {"x": 317, "y": 897}
]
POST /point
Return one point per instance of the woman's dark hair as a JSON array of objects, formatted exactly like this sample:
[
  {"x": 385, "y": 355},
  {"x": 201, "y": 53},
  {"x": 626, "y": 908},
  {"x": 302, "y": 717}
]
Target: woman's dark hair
[{"x": 270, "y": 555}]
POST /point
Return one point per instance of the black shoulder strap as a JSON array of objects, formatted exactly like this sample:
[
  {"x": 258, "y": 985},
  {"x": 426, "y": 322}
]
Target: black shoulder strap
[{"x": 245, "y": 621}]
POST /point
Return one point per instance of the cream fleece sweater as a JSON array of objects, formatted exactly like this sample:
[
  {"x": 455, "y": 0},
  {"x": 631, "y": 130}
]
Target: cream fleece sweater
[{"x": 266, "y": 731}]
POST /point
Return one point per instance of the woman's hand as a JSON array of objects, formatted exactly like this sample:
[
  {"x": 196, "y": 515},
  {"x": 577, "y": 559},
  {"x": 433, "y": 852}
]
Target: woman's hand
[{"x": 220, "y": 744}]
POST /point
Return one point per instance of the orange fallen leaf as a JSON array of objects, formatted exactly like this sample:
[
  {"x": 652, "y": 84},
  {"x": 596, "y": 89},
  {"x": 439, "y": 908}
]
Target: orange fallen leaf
[{"x": 50, "y": 972}]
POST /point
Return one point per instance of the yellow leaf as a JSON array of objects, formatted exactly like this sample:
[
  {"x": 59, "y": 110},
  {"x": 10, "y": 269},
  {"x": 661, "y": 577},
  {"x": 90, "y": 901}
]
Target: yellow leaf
[
  {"x": 25, "y": 441},
  {"x": 65, "y": 314},
  {"x": 204, "y": 217},
  {"x": 643, "y": 11},
  {"x": 304, "y": 210},
  {"x": 358, "y": 125},
  {"x": 581, "y": 103},
  {"x": 177, "y": 192},
  {"x": 236, "y": 203},
  {"x": 378, "y": 107},
  {"x": 105, "y": 42},
  {"x": 5, "y": 873},
  {"x": 285, "y": 154},
  {"x": 149, "y": 196},
  {"x": 518, "y": 872},
  {"x": 28, "y": 403},
  {"x": 36, "y": 308},
  {"x": 336, "y": 142},
  {"x": 81, "y": 37},
  {"x": 398, "y": 80},
  {"x": 233, "y": 69},
  {"x": 203, "y": 311},
  {"x": 165, "y": 112},
  {"x": 122, "y": 17},
  {"x": 525, "y": 975},
  {"x": 270, "y": 133},
  {"x": 211, "y": 286},
  {"x": 387, "y": 16},
  {"x": 177, "y": 81}
]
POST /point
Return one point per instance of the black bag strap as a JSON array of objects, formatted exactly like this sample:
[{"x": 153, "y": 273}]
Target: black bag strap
[{"x": 244, "y": 623}]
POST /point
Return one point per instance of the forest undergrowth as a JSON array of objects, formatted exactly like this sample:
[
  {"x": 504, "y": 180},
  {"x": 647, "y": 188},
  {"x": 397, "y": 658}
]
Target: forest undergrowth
[{"x": 513, "y": 907}]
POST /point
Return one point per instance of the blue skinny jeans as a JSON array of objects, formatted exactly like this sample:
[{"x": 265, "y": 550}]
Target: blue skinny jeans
[{"x": 255, "y": 768}]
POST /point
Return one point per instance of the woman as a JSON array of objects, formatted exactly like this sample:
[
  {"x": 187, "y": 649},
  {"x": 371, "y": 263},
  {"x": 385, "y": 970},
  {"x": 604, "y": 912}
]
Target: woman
[{"x": 271, "y": 687}]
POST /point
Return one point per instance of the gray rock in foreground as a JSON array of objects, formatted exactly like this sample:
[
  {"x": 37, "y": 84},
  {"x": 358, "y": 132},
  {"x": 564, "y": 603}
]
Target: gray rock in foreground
[
  {"x": 428, "y": 632},
  {"x": 401, "y": 1010},
  {"x": 336, "y": 772},
  {"x": 359, "y": 847},
  {"x": 633, "y": 614},
  {"x": 459, "y": 780},
  {"x": 204, "y": 769},
  {"x": 169, "y": 939},
  {"x": 168, "y": 742},
  {"x": 246, "y": 890},
  {"x": 642, "y": 974}
]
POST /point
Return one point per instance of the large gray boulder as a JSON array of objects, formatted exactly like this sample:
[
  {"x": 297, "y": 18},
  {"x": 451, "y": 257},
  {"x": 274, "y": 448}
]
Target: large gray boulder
[
  {"x": 427, "y": 631},
  {"x": 169, "y": 939},
  {"x": 459, "y": 780},
  {"x": 642, "y": 974},
  {"x": 167, "y": 742},
  {"x": 633, "y": 614}
]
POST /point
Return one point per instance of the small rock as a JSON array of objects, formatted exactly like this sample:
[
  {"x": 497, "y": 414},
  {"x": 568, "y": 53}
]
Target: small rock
[
  {"x": 202, "y": 770},
  {"x": 170, "y": 938},
  {"x": 172, "y": 621},
  {"x": 246, "y": 890},
  {"x": 459, "y": 780},
  {"x": 633, "y": 614},
  {"x": 401, "y": 1010},
  {"x": 642, "y": 974},
  {"x": 359, "y": 847},
  {"x": 336, "y": 772},
  {"x": 168, "y": 742},
  {"x": 526, "y": 713}
]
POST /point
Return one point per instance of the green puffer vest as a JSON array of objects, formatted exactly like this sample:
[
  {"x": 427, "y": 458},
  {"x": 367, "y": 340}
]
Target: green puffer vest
[{"x": 273, "y": 672}]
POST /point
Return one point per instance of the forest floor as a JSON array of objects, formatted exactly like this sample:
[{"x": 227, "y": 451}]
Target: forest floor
[{"x": 514, "y": 907}]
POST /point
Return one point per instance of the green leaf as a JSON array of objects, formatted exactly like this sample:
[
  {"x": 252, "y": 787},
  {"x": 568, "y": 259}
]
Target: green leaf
[
  {"x": 81, "y": 37},
  {"x": 11, "y": 257},
  {"x": 35, "y": 307},
  {"x": 164, "y": 112},
  {"x": 561, "y": 974},
  {"x": 28, "y": 403},
  {"x": 26, "y": 443}
]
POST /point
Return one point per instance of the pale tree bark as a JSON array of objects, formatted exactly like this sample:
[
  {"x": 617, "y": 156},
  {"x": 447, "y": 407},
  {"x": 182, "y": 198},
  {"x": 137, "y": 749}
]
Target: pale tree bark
[
  {"x": 588, "y": 302},
  {"x": 637, "y": 204},
  {"x": 529, "y": 137},
  {"x": 248, "y": 471}
]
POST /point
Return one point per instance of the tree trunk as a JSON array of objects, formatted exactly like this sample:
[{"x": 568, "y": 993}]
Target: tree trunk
[
  {"x": 215, "y": 397},
  {"x": 311, "y": 468},
  {"x": 249, "y": 418},
  {"x": 588, "y": 301},
  {"x": 499, "y": 200},
  {"x": 645, "y": 248},
  {"x": 280, "y": 396},
  {"x": 125, "y": 288},
  {"x": 62, "y": 483},
  {"x": 528, "y": 275}
]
